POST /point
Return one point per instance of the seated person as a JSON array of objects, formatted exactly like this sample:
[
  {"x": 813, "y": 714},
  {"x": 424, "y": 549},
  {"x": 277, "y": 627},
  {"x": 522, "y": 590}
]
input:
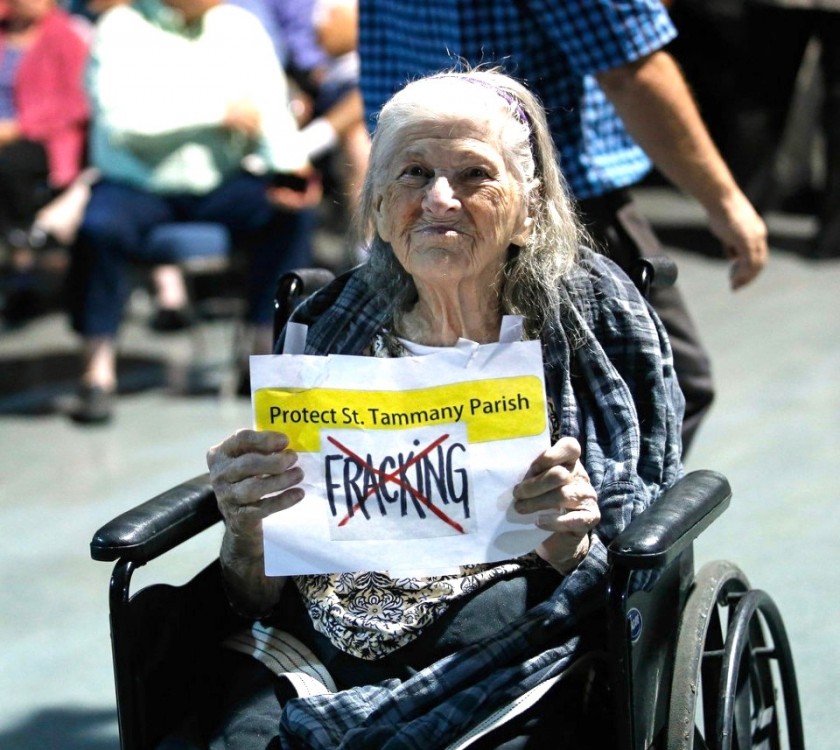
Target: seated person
[
  {"x": 467, "y": 219},
  {"x": 191, "y": 132},
  {"x": 336, "y": 23},
  {"x": 321, "y": 58},
  {"x": 43, "y": 117}
]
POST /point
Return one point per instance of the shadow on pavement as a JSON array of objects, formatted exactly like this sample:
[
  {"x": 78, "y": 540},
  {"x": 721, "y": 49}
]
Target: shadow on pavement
[
  {"x": 64, "y": 729},
  {"x": 700, "y": 241},
  {"x": 34, "y": 384}
]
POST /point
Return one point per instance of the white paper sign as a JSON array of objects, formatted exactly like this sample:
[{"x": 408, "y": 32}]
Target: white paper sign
[{"x": 409, "y": 462}]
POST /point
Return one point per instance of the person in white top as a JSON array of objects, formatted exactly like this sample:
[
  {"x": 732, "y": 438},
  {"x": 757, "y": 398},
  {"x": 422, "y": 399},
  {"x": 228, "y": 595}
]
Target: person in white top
[{"x": 190, "y": 123}]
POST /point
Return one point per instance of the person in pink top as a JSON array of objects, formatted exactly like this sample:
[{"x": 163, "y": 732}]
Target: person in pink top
[{"x": 43, "y": 114}]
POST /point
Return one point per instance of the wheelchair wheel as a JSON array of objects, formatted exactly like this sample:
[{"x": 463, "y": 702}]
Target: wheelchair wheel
[{"x": 732, "y": 661}]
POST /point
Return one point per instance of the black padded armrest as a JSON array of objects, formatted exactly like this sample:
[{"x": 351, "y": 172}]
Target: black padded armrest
[
  {"x": 158, "y": 525},
  {"x": 663, "y": 531}
]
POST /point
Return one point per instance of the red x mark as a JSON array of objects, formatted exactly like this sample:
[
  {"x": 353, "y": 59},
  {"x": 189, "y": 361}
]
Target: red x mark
[{"x": 393, "y": 478}]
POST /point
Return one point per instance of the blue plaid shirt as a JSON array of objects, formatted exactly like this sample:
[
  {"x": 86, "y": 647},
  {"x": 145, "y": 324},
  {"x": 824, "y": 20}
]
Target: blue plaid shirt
[
  {"x": 609, "y": 371},
  {"x": 554, "y": 47}
]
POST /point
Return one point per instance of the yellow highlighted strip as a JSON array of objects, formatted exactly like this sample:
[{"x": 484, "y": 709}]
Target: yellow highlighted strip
[{"x": 493, "y": 409}]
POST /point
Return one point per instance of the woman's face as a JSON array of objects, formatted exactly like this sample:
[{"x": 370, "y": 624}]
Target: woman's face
[{"x": 449, "y": 205}]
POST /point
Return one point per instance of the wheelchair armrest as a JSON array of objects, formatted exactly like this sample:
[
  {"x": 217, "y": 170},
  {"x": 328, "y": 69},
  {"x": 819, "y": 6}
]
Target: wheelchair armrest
[
  {"x": 158, "y": 525},
  {"x": 673, "y": 522}
]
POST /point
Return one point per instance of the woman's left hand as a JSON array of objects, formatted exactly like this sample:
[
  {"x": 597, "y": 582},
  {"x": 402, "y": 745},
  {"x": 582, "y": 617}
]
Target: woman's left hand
[{"x": 558, "y": 488}]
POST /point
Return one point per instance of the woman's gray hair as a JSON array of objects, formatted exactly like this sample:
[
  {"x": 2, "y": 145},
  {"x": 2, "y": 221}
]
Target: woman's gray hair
[{"x": 530, "y": 282}]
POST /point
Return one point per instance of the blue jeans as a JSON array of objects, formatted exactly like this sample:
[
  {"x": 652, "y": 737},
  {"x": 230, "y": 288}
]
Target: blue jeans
[{"x": 119, "y": 217}]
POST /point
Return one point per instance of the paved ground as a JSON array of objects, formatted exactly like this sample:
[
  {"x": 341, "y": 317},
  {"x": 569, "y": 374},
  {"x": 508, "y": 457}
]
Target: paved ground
[{"x": 774, "y": 432}]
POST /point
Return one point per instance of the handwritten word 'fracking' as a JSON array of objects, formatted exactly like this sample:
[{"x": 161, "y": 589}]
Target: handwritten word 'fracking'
[{"x": 421, "y": 484}]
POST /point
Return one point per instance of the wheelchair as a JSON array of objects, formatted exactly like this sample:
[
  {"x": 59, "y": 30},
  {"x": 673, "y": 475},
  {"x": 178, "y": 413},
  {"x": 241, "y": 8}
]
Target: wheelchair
[{"x": 695, "y": 659}]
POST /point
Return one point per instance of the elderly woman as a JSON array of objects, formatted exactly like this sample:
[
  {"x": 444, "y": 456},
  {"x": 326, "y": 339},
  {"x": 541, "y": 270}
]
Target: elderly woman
[{"x": 469, "y": 220}]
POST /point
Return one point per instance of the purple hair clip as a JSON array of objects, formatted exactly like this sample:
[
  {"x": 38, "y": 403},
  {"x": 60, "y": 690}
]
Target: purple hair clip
[{"x": 518, "y": 109}]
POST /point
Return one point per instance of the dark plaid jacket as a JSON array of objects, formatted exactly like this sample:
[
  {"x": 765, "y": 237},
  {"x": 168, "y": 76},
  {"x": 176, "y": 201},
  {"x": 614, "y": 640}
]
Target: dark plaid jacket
[{"x": 610, "y": 374}]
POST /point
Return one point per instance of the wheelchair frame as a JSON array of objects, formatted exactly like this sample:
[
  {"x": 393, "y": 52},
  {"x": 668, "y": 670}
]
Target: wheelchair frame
[{"x": 695, "y": 661}]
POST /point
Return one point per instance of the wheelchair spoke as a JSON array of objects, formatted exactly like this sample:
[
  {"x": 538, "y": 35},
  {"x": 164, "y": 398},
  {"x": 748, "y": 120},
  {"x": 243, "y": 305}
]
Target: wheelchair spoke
[
  {"x": 749, "y": 709},
  {"x": 765, "y": 727}
]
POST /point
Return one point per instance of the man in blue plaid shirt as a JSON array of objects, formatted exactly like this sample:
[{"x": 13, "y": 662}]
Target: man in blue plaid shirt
[{"x": 616, "y": 101}]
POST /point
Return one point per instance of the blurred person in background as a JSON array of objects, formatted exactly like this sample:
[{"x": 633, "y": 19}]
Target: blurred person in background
[
  {"x": 617, "y": 104},
  {"x": 43, "y": 119},
  {"x": 776, "y": 36},
  {"x": 190, "y": 123},
  {"x": 59, "y": 221},
  {"x": 322, "y": 60},
  {"x": 336, "y": 28}
]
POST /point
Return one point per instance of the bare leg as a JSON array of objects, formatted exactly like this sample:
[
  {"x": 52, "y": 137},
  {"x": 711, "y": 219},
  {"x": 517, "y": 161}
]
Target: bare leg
[
  {"x": 171, "y": 299},
  {"x": 170, "y": 288},
  {"x": 99, "y": 363}
]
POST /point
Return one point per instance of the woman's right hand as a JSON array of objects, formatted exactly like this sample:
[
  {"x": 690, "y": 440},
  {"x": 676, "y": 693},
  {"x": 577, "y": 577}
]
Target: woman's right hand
[{"x": 254, "y": 474}]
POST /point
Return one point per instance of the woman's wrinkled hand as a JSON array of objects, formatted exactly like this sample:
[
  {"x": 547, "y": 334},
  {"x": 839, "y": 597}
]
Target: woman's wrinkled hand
[
  {"x": 557, "y": 487},
  {"x": 254, "y": 474}
]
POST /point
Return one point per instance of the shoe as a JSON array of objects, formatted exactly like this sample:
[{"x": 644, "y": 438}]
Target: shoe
[
  {"x": 169, "y": 320},
  {"x": 92, "y": 405}
]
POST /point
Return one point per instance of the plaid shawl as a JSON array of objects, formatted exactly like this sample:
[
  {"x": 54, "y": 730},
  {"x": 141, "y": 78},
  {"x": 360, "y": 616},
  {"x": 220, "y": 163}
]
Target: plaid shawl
[{"x": 609, "y": 370}]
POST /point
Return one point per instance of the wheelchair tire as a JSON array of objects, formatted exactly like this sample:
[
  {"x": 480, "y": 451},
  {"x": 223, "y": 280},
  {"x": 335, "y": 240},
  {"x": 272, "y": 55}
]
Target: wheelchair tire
[
  {"x": 748, "y": 711},
  {"x": 723, "y": 658},
  {"x": 701, "y": 631}
]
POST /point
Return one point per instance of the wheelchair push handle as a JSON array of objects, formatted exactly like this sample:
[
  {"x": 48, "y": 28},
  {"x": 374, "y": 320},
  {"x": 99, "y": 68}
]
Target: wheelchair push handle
[
  {"x": 292, "y": 287},
  {"x": 654, "y": 272}
]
